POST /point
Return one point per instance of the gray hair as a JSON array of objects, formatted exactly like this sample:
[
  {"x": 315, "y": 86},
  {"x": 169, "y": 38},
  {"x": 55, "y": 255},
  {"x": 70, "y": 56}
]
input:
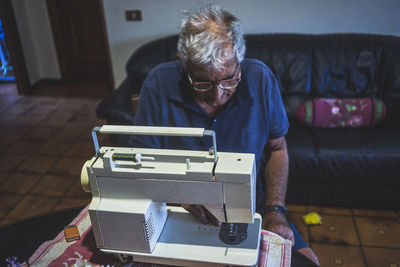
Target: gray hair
[{"x": 209, "y": 36}]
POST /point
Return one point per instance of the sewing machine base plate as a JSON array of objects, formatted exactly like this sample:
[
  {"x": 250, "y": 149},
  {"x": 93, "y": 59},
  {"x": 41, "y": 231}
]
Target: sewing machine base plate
[{"x": 185, "y": 241}]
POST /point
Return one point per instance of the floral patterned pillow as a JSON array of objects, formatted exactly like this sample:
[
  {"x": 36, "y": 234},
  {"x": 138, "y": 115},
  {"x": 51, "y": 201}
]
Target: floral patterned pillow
[{"x": 345, "y": 112}]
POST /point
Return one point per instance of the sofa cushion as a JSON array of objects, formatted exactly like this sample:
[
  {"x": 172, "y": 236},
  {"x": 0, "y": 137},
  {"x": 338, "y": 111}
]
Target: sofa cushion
[
  {"x": 346, "y": 112},
  {"x": 346, "y": 66},
  {"x": 357, "y": 154},
  {"x": 301, "y": 150},
  {"x": 366, "y": 195}
]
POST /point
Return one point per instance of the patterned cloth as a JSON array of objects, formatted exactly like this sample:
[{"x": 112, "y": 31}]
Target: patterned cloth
[
  {"x": 274, "y": 250},
  {"x": 346, "y": 112}
]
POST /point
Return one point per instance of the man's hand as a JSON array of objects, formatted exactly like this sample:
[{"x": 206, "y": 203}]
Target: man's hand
[
  {"x": 277, "y": 223},
  {"x": 202, "y": 214}
]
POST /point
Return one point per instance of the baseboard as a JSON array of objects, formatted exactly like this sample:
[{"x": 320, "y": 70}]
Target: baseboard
[
  {"x": 39, "y": 83},
  {"x": 62, "y": 88}
]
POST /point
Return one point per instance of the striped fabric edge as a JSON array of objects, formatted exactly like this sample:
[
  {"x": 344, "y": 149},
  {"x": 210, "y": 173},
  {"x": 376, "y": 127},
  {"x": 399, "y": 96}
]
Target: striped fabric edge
[
  {"x": 48, "y": 245},
  {"x": 373, "y": 113},
  {"x": 309, "y": 112},
  {"x": 379, "y": 111},
  {"x": 277, "y": 251}
]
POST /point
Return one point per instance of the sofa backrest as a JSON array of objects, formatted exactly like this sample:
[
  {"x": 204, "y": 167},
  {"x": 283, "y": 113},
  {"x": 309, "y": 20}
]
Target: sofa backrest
[
  {"x": 146, "y": 57},
  {"x": 289, "y": 56},
  {"x": 306, "y": 66}
]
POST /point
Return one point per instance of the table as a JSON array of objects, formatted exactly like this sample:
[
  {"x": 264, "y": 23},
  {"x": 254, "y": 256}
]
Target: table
[{"x": 21, "y": 239}]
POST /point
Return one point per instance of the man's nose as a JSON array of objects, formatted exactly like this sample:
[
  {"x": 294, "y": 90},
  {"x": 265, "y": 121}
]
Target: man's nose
[{"x": 217, "y": 91}]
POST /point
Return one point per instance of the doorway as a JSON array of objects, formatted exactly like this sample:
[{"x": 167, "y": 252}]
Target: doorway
[
  {"x": 6, "y": 70},
  {"x": 14, "y": 62},
  {"x": 80, "y": 38}
]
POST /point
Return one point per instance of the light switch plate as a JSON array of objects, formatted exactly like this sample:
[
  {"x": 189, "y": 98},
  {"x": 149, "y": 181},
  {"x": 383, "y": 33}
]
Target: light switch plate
[{"x": 133, "y": 15}]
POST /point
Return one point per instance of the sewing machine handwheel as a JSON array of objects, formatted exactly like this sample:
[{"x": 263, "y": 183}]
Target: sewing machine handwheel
[{"x": 85, "y": 182}]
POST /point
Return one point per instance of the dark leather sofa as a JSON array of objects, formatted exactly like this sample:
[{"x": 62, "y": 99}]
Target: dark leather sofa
[{"x": 349, "y": 167}]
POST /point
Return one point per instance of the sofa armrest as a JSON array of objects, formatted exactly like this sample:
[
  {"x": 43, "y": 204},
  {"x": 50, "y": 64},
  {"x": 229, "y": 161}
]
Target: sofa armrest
[{"x": 118, "y": 107}]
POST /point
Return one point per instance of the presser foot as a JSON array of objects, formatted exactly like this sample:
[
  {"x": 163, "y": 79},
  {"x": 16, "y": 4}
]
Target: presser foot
[{"x": 233, "y": 233}]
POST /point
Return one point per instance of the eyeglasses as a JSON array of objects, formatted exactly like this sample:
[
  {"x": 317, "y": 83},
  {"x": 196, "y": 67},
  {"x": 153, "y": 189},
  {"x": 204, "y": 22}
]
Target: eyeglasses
[{"x": 227, "y": 84}]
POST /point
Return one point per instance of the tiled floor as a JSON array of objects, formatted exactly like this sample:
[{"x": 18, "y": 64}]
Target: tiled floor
[
  {"x": 351, "y": 237},
  {"x": 45, "y": 141}
]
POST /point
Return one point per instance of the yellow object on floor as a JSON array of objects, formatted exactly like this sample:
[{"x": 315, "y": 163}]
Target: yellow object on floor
[{"x": 312, "y": 218}]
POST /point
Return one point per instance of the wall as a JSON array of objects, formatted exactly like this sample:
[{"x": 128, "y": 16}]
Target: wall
[
  {"x": 161, "y": 18},
  {"x": 26, "y": 38},
  {"x": 37, "y": 40}
]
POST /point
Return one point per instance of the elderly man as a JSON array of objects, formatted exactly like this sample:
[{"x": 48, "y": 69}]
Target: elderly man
[{"x": 212, "y": 86}]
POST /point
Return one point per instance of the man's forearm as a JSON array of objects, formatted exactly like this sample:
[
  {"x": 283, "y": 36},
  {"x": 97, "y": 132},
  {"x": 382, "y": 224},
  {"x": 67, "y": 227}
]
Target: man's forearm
[{"x": 276, "y": 175}]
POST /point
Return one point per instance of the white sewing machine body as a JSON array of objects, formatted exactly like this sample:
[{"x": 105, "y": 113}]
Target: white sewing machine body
[{"x": 129, "y": 214}]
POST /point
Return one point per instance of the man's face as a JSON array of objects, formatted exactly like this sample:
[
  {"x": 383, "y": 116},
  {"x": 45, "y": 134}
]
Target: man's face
[{"x": 216, "y": 96}]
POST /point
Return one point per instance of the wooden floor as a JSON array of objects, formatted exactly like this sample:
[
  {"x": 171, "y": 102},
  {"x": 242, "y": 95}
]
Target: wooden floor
[{"x": 45, "y": 139}]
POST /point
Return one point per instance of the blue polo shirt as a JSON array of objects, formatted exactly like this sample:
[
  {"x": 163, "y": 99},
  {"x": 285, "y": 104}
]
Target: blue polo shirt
[{"x": 254, "y": 114}]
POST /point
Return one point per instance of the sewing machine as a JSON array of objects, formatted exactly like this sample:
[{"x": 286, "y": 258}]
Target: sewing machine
[{"x": 131, "y": 186}]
